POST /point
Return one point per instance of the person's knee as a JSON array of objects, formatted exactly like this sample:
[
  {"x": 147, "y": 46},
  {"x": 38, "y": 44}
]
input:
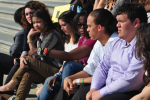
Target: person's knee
[
  {"x": 47, "y": 80},
  {"x": 38, "y": 91},
  {"x": 68, "y": 64}
]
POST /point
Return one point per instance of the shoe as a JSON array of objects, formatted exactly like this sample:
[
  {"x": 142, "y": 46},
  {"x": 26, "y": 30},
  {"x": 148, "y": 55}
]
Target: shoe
[{"x": 7, "y": 92}]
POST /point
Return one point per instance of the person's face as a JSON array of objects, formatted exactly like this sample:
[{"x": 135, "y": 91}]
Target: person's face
[
  {"x": 28, "y": 14},
  {"x": 92, "y": 28},
  {"x": 38, "y": 24},
  {"x": 65, "y": 27},
  {"x": 82, "y": 26},
  {"x": 126, "y": 28}
]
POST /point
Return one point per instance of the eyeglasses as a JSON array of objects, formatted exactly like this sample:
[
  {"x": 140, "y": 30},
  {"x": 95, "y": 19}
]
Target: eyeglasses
[
  {"x": 79, "y": 25},
  {"x": 30, "y": 13}
]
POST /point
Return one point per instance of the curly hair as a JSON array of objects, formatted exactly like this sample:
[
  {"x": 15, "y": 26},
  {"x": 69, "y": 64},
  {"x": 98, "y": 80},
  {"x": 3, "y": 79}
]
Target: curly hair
[
  {"x": 133, "y": 11},
  {"x": 34, "y": 5},
  {"x": 142, "y": 47}
]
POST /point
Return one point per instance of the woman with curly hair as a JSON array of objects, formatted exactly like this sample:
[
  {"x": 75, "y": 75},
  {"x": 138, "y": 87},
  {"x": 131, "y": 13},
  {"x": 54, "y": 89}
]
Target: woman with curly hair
[{"x": 38, "y": 66}]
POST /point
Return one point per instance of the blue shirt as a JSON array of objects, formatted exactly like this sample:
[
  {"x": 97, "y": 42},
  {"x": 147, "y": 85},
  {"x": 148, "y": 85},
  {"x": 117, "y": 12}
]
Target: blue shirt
[{"x": 119, "y": 70}]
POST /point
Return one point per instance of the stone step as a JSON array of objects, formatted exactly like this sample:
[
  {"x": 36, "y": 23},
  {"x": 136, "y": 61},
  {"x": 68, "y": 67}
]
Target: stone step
[
  {"x": 19, "y": 3},
  {"x": 9, "y": 26}
]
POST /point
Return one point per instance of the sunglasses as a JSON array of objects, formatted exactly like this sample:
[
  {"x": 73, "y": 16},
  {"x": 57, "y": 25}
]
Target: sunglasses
[{"x": 79, "y": 25}]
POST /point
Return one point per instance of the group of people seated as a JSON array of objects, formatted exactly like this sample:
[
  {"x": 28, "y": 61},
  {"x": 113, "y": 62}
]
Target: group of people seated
[{"x": 92, "y": 54}]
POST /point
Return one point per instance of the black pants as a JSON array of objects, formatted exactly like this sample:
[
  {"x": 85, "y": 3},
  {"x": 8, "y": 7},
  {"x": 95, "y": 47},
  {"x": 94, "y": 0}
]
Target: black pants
[
  {"x": 6, "y": 63},
  {"x": 79, "y": 95},
  {"x": 11, "y": 73},
  {"x": 85, "y": 88},
  {"x": 121, "y": 96}
]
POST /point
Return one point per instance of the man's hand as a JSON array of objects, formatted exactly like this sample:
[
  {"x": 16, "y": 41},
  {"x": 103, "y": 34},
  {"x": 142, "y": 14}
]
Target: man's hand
[
  {"x": 96, "y": 95},
  {"x": 23, "y": 63},
  {"x": 89, "y": 94},
  {"x": 52, "y": 81},
  {"x": 69, "y": 87}
]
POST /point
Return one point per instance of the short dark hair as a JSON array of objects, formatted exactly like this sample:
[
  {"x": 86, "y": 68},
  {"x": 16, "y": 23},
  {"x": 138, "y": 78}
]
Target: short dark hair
[
  {"x": 105, "y": 18},
  {"x": 133, "y": 11},
  {"x": 18, "y": 15},
  {"x": 43, "y": 14}
]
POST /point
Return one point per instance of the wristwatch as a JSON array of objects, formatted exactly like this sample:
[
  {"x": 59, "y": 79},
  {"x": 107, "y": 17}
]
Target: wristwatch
[{"x": 39, "y": 51}]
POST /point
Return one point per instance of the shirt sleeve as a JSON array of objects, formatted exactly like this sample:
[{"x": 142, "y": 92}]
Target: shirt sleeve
[
  {"x": 131, "y": 80},
  {"x": 100, "y": 74},
  {"x": 90, "y": 43},
  {"x": 93, "y": 60},
  {"x": 16, "y": 49}
]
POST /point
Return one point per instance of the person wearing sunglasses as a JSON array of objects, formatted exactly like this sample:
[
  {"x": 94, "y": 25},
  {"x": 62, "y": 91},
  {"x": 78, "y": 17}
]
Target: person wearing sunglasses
[
  {"x": 85, "y": 46},
  {"x": 101, "y": 27}
]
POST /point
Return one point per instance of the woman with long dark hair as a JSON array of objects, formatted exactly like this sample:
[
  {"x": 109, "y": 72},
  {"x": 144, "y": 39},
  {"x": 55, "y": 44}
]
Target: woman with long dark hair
[{"x": 142, "y": 50}]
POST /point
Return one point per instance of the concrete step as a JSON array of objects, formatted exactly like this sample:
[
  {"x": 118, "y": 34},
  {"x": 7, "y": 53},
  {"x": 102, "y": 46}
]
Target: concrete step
[
  {"x": 9, "y": 26},
  {"x": 19, "y": 3}
]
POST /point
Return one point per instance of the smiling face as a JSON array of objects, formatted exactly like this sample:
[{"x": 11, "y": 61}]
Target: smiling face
[
  {"x": 82, "y": 26},
  {"x": 126, "y": 28},
  {"x": 38, "y": 24},
  {"x": 28, "y": 14},
  {"x": 92, "y": 28},
  {"x": 65, "y": 27}
]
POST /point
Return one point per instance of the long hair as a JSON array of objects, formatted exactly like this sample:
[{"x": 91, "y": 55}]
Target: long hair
[
  {"x": 142, "y": 47},
  {"x": 34, "y": 5},
  {"x": 43, "y": 14},
  {"x": 76, "y": 18},
  {"x": 67, "y": 17}
]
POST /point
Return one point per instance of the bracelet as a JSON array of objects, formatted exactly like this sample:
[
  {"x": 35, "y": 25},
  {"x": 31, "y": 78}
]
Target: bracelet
[
  {"x": 39, "y": 51},
  {"x": 56, "y": 75},
  {"x": 78, "y": 81},
  {"x": 82, "y": 80},
  {"x": 45, "y": 52},
  {"x": 29, "y": 41}
]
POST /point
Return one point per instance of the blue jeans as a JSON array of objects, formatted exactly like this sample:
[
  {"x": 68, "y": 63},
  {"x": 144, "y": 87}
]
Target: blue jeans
[
  {"x": 69, "y": 68},
  {"x": 46, "y": 93}
]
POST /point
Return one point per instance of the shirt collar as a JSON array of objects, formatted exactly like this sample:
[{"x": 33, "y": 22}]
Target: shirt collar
[
  {"x": 114, "y": 35},
  {"x": 132, "y": 43}
]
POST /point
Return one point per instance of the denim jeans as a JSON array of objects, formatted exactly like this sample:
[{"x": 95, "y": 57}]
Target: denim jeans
[
  {"x": 69, "y": 68},
  {"x": 46, "y": 93}
]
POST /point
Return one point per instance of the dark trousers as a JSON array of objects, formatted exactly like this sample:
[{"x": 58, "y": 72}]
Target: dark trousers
[
  {"x": 6, "y": 63},
  {"x": 79, "y": 95},
  {"x": 85, "y": 88},
  {"x": 11, "y": 73},
  {"x": 121, "y": 96}
]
